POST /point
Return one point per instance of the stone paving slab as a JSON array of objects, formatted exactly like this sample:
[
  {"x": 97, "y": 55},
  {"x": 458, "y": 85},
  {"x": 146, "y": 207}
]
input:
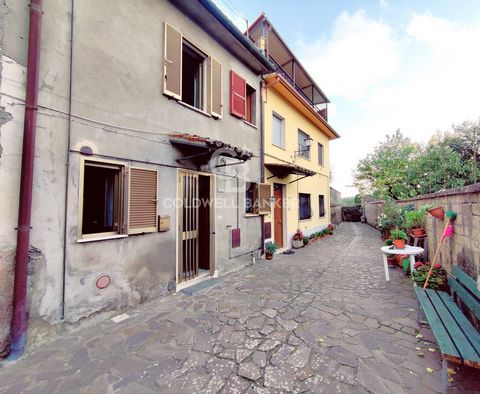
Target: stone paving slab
[{"x": 322, "y": 320}]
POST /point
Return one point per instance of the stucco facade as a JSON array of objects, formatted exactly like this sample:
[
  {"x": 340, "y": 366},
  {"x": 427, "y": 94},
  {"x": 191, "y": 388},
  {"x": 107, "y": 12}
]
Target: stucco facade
[
  {"x": 118, "y": 113},
  {"x": 293, "y": 185}
]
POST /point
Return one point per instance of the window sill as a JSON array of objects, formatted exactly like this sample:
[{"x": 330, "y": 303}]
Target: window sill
[
  {"x": 303, "y": 157},
  {"x": 101, "y": 238},
  {"x": 251, "y": 215},
  {"x": 250, "y": 124},
  {"x": 304, "y": 220},
  {"x": 200, "y": 111},
  {"x": 279, "y": 147}
]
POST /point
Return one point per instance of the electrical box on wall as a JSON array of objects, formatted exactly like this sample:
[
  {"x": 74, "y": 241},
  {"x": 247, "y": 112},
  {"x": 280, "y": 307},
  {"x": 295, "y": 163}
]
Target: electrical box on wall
[{"x": 163, "y": 223}]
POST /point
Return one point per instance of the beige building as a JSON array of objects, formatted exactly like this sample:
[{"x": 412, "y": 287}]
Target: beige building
[{"x": 296, "y": 139}]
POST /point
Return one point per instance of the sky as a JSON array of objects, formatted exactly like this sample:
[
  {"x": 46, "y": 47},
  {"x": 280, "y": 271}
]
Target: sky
[{"x": 384, "y": 65}]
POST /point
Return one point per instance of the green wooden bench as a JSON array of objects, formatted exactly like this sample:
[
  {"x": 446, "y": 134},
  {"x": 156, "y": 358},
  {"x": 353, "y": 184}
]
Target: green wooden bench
[{"x": 457, "y": 338}]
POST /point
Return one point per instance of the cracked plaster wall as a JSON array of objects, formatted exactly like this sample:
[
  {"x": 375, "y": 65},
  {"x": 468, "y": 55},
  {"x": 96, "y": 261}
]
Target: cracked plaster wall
[{"x": 116, "y": 80}]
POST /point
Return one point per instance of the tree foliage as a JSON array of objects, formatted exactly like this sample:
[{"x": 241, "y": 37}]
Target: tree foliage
[{"x": 399, "y": 168}]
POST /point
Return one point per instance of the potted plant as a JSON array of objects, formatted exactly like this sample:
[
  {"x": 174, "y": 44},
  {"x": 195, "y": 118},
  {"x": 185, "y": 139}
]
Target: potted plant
[
  {"x": 331, "y": 228},
  {"x": 399, "y": 238},
  {"x": 305, "y": 241},
  {"x": 414, "y": 220},
  {"x": 297, "y": 239},
  {"x": 391, "y": 259},
  {"x": 270, "y": 249},
  {"x": 437, "y": 280},
  {"x": 391, "y": 217}
]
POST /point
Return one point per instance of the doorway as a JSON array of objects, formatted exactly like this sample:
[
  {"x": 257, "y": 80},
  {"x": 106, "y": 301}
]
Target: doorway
[
  {"x": 196, "y": 227},
  {"x": 278, "y": 214}
]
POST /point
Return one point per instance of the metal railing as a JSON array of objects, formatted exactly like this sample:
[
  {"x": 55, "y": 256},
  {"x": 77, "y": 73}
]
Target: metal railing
[{"x": 321, "y": 111}]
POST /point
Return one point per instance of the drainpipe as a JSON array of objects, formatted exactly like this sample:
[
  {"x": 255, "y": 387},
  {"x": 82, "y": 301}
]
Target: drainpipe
[
  {"x": 67, "y": 166},
  {"x": 262, "y": 161},
  {"x": 19, "y": 315}
]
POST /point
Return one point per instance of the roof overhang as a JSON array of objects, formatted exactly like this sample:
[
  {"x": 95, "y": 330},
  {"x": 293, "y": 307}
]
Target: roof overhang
[
  {"x": 282, "y": 170},
  {"x": 201, "y": 149},
  {"x": 207, "y": 15},
  {"x": 284, "y": 88}
]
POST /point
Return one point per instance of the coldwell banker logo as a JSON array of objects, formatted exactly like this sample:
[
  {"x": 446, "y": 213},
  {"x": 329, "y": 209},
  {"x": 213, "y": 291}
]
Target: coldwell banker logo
[{"x": 229, "y": 169}]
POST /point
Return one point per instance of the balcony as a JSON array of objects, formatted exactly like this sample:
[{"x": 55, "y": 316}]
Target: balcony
[
  {"x": 269, "y": 41},
  {"x": 320, "y": 108}
]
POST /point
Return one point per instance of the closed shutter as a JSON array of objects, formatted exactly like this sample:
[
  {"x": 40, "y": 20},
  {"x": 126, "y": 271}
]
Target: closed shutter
[
  {"x": 238, "y": 93},
  {"x": 142, "y": 212},
  {"x": 172, "y": 85},
  {"x": 263, "y": 195},
  {"x": 216, "y": 88}
]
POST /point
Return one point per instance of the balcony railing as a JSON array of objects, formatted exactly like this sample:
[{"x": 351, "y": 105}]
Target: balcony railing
[{"x": 322, "y": 111}]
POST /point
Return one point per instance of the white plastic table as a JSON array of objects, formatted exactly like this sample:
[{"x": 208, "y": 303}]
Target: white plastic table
[{"x": 409, "y": 250}]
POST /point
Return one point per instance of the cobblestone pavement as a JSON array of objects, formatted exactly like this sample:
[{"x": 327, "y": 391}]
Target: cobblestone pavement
[{"x": 321, "y": 320}]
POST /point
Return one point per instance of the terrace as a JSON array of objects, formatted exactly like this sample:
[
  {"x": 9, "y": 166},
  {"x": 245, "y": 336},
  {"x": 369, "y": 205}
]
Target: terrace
[{"x": 266, "y": 38}]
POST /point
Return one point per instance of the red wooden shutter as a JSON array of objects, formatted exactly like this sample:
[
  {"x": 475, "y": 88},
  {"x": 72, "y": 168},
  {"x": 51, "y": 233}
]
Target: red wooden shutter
[{"x": 238, "y": 93}]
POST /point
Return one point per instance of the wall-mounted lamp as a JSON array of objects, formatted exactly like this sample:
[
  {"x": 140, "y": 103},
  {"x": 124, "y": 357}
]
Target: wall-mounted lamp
[{"x": 307, "y": 144}]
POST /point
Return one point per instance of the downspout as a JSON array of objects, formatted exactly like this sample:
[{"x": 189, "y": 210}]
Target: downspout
[
  {"x": 19, "y": 314},
  {"x": 67, "y": 164},
  {"x": 262, "y": 161}
]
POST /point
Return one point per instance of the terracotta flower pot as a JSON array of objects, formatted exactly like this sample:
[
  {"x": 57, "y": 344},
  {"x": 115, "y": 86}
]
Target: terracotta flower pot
[
  {"x": 418, "y": 232},
  {"x": 391, "y": 261},
  {"x": 399, "y": 243},
  {"x": 268, "y": 256},
  {"x": 437, "y": 212}
]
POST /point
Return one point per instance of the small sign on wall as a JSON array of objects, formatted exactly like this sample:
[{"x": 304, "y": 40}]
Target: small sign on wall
[
  {"x": 235, "y": 237},
  {"x": 267, "y": 229},
  {"x": 163, "y": 223}
]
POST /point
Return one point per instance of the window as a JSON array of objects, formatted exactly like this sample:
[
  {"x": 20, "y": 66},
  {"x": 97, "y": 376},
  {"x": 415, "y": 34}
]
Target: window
[
  {"x": 258, "y": 198},
  {"x": 102, "y": 198},
  {"x": 189, "y": 77},
  {"x": 250, "y": 198},
  {"x": 104, "y": 194},
  {"x": 192, "y": 76},
  {"x": 278, "y": 131},
  {"x": 321, "y": 205},
  {"x": 303, "y": 147},
  {"x": 320, "y": 154},
  {"x": 305, "y": 210},
  {"x": 251, "y": 105}
]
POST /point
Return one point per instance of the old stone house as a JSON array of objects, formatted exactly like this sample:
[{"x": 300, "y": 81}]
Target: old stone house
[{"x": 148, "y": 134}]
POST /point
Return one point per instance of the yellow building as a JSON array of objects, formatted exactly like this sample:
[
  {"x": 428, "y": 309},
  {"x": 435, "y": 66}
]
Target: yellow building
[{"x": 296, "y": 142}]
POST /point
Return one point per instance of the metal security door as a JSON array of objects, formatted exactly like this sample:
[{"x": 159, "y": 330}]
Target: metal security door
[{"x": 188, "y": 212}]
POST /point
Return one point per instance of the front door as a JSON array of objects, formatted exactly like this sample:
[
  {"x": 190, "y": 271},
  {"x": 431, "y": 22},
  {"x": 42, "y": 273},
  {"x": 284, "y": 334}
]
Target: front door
[
  {"x": 188, "y": 220},
  {"x": 278, "y": 214},
  {"x": 195, "y": 226}
]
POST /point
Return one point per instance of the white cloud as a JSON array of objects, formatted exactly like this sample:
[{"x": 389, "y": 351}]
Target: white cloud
[
  {"x": 359, "y": 53},
  {"x": 232, "y": 13},
  {"x": 422, "y": 78}
]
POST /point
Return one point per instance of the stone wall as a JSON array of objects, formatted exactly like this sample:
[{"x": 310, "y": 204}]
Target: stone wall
[
  {"x": 371, "y": 210},
  {"x": 463, "y": 249},
  {"x": 335, "y": 206}
]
